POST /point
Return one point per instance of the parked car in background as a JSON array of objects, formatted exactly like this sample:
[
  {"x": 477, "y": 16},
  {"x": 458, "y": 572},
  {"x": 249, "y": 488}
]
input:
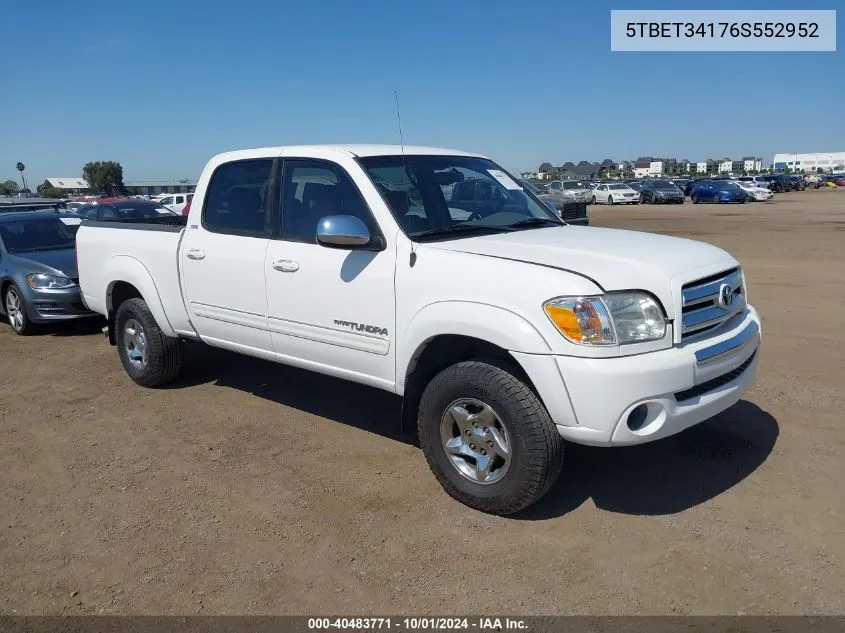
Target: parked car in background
[
  {"x": 38, "y": 276},
  {"x": 636, "y": 185},
  {"x": 778, "y": 182},
  {"x": 718, "y": 191},
  {"x": 176, "y": 202},
  {"x": 661, "y": 192},
  {"x": 569, "y": 187},
  {"x": 505, "y": 333},
  {"x": 564, "y": 206},
  {"x": 680, "y": 183},
  {"x": 759, "y": 181},
  {"x": 110, "y": 209},
  {"x": 812, "y": 181},
  {"x": 615, "y": 193},
  {"x": 73, "y": 205},
  {"x": 797, "y": 182},
  {"x": 760, "y": 194}
]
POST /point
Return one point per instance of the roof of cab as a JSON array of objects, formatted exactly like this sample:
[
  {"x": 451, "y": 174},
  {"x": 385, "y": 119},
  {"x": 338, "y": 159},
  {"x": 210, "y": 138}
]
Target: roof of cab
[{"x": 355, "y": 150}]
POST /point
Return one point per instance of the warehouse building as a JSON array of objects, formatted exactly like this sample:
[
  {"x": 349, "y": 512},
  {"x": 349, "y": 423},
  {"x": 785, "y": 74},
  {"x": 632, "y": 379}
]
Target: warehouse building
[
  {"x": 828, "y": 161},
  {"x": 155, "y": 187}
]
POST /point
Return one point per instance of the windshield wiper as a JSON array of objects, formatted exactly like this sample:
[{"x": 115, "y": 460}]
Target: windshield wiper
[
  {"x": 535, "y": 222},
  {"x": 459, "y": 228}
]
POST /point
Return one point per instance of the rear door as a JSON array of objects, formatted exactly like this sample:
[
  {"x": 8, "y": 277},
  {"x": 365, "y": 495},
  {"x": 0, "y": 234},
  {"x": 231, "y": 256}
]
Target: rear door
[{"x": 222, "y": 258}]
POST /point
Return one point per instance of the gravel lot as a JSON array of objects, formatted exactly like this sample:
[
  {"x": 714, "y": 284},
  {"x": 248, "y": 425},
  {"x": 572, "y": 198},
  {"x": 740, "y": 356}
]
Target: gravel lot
[{"x": 255, "y": 488}]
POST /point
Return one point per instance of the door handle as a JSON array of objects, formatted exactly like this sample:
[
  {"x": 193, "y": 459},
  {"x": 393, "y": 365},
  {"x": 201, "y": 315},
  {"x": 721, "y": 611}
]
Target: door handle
[
  {"x": 196, "y": 253},
  {"x": 285, "y": 265}
]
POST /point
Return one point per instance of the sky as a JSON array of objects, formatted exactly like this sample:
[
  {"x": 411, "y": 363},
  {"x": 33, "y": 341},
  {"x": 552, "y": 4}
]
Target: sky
[{"x": 161, "y": 86}]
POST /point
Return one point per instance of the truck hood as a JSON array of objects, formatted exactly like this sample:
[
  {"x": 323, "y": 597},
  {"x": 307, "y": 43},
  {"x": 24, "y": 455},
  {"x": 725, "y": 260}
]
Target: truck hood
[
  {"x": 54, "y": 262},
  {"x": 613, "y": 259}
]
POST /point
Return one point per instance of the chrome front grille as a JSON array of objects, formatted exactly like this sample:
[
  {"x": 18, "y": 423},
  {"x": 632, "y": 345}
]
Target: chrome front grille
[{"x": 709, "y": 302}]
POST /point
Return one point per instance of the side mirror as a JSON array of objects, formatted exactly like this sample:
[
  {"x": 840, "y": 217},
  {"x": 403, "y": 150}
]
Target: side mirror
[{"x": 344, "y": 231}]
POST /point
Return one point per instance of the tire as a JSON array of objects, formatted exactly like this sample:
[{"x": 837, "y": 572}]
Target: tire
[
  {"x": 13, "y": 303},
  {"x": 593, "y": 200},
  {"x": 149, "y": 357},
  {"x": 535, "y": 447},
  {"x": 610, "y": 200},
  {"x": 694, "y": 199}
]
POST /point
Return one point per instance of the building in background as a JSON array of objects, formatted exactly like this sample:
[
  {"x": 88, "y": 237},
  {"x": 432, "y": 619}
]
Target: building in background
[
  {"x": 155, "y": 187},
  {"x": 69, "y": 186},
  {"x": 701, "y": 168},
  {"x": 752, "y": 163},
  {"x": 642, "y": 167},
  {"x": 828, "y": 161}
]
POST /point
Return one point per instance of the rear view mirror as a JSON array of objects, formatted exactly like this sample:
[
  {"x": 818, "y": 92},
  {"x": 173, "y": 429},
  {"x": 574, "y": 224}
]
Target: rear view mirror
[{"x": 344, "y": 231}]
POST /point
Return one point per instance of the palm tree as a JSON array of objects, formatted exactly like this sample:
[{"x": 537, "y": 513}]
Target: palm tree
[{"x": 20, "y": 167}]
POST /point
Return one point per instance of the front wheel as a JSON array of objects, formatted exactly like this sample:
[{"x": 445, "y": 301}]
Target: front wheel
[
  {"x": 16, "y": 311},
  {"x": 149, "y": 357},
  {"x": 610, "y": 200},
  {"x": 487, "y": 437},
  {"x": 593, "y": 200},
  {"x": 694, "y": 199}
]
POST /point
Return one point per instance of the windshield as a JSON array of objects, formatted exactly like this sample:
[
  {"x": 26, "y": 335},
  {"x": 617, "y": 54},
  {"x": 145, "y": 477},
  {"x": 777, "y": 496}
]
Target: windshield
[
  {"x": 572, "y": 185},
  {"x": 663, "y": 184},
  {"x": 428, "y": 194},
  {"x": 614, "y": 187},
  {"x": 531, "y": 187},
  {"x": 37, "y": 234}
]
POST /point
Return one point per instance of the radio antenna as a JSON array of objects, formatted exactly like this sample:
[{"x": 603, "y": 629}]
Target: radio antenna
[
  {"x": 413, "y": 256},
  {"x": 399, "y": 118}
]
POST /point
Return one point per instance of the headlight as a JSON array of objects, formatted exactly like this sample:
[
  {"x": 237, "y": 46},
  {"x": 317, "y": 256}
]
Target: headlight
[
  {"x": 42, "y": 281},
  {"x": 615, "y": 318}
]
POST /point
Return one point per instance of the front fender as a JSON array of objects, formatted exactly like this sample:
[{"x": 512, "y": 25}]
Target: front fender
[
  {"x": 123, "y": 268},
  {"x": 492, "y": 324}
]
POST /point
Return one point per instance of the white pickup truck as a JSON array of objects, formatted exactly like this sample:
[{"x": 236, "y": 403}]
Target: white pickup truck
[{"x": 505, "y": 330}]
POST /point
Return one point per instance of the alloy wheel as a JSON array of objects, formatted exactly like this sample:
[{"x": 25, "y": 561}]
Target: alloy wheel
[
  {"x": 14, "y": 309},
  {"x": 135, "y": 343},
  {"x": 476, "y": 441}
]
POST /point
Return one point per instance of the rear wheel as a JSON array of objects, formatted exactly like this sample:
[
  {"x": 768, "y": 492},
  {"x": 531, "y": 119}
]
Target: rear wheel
[
  {"x": 610, "y": 200},
  {"x": 694, "y": 199},
  {"x": 16, "y": 311},
  {"x": 487, "y": 437},
  {"x": 593, "y": 200},
  {"x": 149, "y": 357}
]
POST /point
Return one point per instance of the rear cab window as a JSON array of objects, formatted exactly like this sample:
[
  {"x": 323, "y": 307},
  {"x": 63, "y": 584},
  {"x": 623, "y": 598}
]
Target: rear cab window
[{"x": 236, "y": 201}]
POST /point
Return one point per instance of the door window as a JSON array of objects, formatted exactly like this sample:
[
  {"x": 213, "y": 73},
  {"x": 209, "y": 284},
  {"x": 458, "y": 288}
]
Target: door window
[
  {"x": 180, "y": 199},
  {"x": 108, "y": 213},
  {"x": 236, "y": 198},
  {"x": 314, "y": 189}
]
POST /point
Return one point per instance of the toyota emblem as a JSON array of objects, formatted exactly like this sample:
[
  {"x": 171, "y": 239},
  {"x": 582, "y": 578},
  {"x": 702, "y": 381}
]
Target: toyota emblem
[{"x": 726, "y": 296}]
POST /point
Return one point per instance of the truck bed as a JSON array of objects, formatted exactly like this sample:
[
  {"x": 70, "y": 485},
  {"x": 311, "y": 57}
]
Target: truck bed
[{"x": 143, "y": 253}]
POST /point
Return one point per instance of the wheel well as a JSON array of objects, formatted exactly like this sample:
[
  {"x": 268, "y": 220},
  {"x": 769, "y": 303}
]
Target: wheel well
[
  {"x": 3, "y": 286},
  {"x": 120, "y": 291},
  {"x": 440, "y": 352}
]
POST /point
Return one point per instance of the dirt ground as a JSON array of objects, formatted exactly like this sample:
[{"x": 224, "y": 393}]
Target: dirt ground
[{"x": 255, "y": 488}]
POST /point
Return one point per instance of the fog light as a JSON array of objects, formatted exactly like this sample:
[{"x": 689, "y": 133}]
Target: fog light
[{"x": 637, "y": 418}]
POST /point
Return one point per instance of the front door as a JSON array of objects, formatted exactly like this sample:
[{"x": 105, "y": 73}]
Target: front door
[
  {"x": 330, "y": 309},
  {"x": 222, "y": 258}
]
